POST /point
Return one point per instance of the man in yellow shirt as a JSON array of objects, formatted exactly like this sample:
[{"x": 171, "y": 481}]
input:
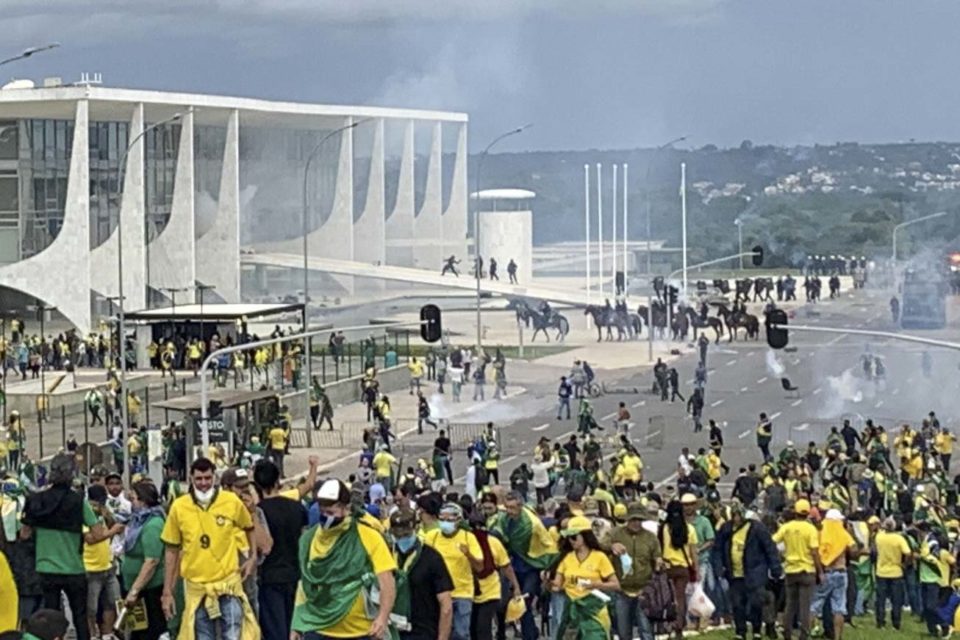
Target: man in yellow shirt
[
  {"x": 102, "y": 584},
  {"x": 416, "y": 374},
  {"x": 944, "y": 444},
  {"x": 205, "y": 532},
  {"x": 801, "y": 564},
  {"x": 383, "y": 463},
  {"x": 463, "y": 557},
  {"x": 342, "y": 558},
  {"x": 892, "y": 551},
  {"x": 277, "y": 445}
]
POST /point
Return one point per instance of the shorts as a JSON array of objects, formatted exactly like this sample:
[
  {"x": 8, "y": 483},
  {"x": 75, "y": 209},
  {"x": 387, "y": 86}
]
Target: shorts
[
  {"x": 834, "y": 587},
  {"x": 102, "y": 585}
]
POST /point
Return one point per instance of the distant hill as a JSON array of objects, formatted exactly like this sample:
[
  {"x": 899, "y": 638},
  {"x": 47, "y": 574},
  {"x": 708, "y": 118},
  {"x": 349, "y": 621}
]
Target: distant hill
[{"x": 839, "y": 199}]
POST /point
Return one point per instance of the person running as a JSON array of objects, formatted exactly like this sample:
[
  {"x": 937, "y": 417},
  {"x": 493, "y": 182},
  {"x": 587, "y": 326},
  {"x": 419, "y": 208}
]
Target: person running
[
  {"x": 512, "y": 271},
  {"x": 493, "y": 269},
  {"x": 564, "y": 392},
  {"x": 423, "y": 413},
  {"x": 764, "y": 436},
  {"x": 450, "y": 265}
]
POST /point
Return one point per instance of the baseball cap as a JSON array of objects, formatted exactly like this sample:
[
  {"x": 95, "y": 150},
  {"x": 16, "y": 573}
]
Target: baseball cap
[
  {"x": 576, "y": 524},
  {"x": 620, "y": 510},
  {"x": 802, "y": 506},
  {"x": 333, "y": 492},
  {"x": 873, "y": 520},
  {"x": 688, "y": 498},
  {"x": 234, "y": 477},
  {"x": 636, "y": 511},
  {"x": 403, "y": 522}
]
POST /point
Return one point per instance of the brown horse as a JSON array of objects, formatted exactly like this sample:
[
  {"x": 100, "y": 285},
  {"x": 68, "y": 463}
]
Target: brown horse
[
  {"x": 748, "y": 322},
  {"x": 697, "y": 323}
]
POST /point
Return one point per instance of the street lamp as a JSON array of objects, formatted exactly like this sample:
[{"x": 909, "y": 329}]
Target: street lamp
[
  {"x": 120, "y": 299},
  {"x": 646, "y": 183},
  {"x": 939, "y": 214},
  {"x": 739, "y": 224},
  {"x": 26, "y": 53},
  {"x": 42, "y": 310},
  {"x": 476, "y": 217}
]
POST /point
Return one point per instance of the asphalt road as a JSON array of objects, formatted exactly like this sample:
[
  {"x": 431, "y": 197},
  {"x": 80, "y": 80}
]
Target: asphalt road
[{"x": 743, "y": 380}]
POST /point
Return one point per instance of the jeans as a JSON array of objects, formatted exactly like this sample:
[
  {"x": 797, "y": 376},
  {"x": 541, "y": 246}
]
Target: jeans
[
  {"x": 557, "y": 603},
  {"x": 892, "y": 589},
  {"x": 229, "y": 624},
  {"x": 564, "y": 403},
  {"x": 800, "y": 588},
  {"x": 529, "y": 579},
  {"x": 931, "y": 602},
  {"x": 276, "y": 610},
  {"x": 912, "y": 586},
  {"x": 833, "y": 588},
  {"x": 481, "y": 619},
  {"x": 75, "y": 589},
  {"x": 478, "y": 392},
  {"x": 747, "y": 607},
  {"x": 462, "y": 611},
  {"x": 629, "y": 616}
]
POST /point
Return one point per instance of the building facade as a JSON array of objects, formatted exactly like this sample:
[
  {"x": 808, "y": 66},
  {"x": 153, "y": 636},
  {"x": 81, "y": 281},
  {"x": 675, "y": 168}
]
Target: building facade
[{"x": 180, "y": 202}]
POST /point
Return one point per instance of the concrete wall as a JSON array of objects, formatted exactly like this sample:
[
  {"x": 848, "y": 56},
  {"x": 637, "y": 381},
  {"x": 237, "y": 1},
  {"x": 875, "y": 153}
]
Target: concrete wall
[
  {"x": 428, "y": 225},
  {"x": 505, "y": 235},
  {"x": 400, "y": 223}
]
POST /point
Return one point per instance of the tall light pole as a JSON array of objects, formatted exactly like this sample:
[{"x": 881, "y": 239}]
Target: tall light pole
[
  {"x": 26, "y": 53},
  {"x": 122, "y": 331},
  {"x": 739, "y": 224},
  {"x": 625, "y": 207},
  {"x": 646, "y": 183},
  {"x": 893, "y": 253},
  {"x": 683, "y": 221},
  {"x": 586, "y": 223},
  {"x": 308, "y": 354},
  {"x": 476, "y": 218}
]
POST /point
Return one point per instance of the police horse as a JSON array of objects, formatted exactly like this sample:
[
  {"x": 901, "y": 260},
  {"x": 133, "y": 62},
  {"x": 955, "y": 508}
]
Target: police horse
[
  {"x": 735, "y": 321},
  {"x": 628, "y": 325},
  {"x": 539, "y": 321}
]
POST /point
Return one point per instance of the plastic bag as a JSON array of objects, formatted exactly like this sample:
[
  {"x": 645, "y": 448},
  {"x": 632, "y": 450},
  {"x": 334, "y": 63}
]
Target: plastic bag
[{"x": 700, "y": 605}]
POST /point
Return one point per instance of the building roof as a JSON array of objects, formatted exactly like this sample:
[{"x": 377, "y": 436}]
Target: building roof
[
  {"x": 503, "y": 194},
  {"x": 212, "y": 312},
  {"x": 228, "y": 399}
]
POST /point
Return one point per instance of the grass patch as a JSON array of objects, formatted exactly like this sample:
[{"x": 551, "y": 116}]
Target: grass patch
[{"x": 865, "y": 629}]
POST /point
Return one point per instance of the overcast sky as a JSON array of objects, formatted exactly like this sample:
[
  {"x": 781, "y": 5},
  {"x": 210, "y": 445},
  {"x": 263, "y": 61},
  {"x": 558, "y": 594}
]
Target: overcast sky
[{"x": 587, "y": 73}]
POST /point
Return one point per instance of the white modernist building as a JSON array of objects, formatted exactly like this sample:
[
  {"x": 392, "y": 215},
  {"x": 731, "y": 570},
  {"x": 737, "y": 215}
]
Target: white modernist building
[{"x": 229, "y": 172}]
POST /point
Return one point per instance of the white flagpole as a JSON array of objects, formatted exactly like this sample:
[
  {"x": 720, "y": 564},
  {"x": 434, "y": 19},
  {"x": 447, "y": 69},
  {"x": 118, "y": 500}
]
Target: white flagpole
[
  {"x": 600, "y": 231},
  {"x": 586, "y": 222},
  {"x": 683, "y": 207},
  {"x": 613, "y": 215},
  {"x": 624, "y": 205}
]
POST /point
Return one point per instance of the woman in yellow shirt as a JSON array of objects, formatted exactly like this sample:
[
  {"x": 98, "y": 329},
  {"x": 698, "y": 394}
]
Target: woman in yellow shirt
[
  {"x": 8, "y": 595},
  {"x": 583, "y": 572},
  {"x": 678, "y": 539}
]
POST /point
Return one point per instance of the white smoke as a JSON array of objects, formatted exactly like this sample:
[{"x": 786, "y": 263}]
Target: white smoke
[{"x": 774, "y": 366}]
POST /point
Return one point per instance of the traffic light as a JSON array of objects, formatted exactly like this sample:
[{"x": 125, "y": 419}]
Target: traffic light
[
  {"x": 757, "y": 256},
  {"x": 672, "y": 292},
  {"x": 777, "y": 337},
  {"x": 430, "y": 328}
]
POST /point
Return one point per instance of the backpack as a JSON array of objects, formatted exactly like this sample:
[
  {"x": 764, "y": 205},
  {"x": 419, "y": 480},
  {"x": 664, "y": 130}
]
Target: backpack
[
  {"x": 657, "y": 601},
  {"x": 776, "y": 498}
]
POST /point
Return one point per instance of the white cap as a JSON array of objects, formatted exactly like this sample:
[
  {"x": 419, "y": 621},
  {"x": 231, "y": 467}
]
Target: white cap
[
  {"x": 330, "y": 490},
  {"x": 918, "y": 488},
  {"x": 833, "y": 514}
]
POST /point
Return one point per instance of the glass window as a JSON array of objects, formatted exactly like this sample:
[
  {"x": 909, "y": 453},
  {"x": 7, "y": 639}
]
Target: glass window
[
  {"x": 9, "y": 200},
  {"x": 9, "y": 140}
]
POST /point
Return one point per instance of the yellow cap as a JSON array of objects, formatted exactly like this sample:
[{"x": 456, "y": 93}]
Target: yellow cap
[
  {"x": 802, "y": 507},
  {"x": 515, "y": 609},
  {"x": 873, "y": 520},
  {"x": 619, "y": 510},
  {"x": 575, "y": 525}
]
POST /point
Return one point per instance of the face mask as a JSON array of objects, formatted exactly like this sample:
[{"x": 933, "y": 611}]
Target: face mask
[
  {"x": 328, "y": 522},
  {"x": 204, "y": 497},
  {"x": 448, "y": 528},
  {"x": 406, "y": 543},
  {"x": 626, "y": 563}
]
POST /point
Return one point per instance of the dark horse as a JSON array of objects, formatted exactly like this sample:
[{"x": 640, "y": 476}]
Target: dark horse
[
  {"x": 656, "y": 316},
  {"x": 629, "y": 325},
  {"x": 540, "y": 321},
  {"x": 697, "y": 323},
  {"x": 735, "y": 321}
]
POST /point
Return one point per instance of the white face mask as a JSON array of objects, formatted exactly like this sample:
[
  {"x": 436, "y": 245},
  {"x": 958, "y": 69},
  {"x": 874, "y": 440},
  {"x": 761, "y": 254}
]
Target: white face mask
[{"x": 204, "y": 497}]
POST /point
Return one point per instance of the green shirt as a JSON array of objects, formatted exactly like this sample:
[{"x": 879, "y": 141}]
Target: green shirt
[
  {"x": 148, "y": 545},
  {"x": 61, "y": 552},
  {"x": 644, "y": 549},
  {"x": 705, "y": 533}
]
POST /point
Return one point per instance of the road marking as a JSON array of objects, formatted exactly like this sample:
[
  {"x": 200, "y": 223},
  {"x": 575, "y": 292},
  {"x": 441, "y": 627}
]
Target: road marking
[
  {"x": 816, "y": 391},
  {"x": 743, "y": 389},
  {"x": 879, "y": 404},
  {"x": 803, "y": 427},
  {"x": 542, "y": 427},
  {"x": 775, "y": 416},
  {"x": 796, "y": 403},
  {"x": 639, "y": 404},
  {"x": 744, "y": 434},
  {"x": 709, "y": 371},
  {"x": 750, "y": 353},
  {"x": 717, "y": 403},
  {"x": 670, "y": 478},
  {"x": 895, "y": 391},
  {"x": 653, "y": 435},
  {"x": 762, "y": 380},
  {"x": 608, "y": 416},
  {"x": 690, "y": 381},
  {"x": 837, "y": 339},
  {"x": 732, "y": 362}
]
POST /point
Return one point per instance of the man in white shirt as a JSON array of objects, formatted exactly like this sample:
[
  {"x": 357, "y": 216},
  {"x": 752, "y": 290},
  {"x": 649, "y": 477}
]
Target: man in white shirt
[{"x": 685, "y": 461}]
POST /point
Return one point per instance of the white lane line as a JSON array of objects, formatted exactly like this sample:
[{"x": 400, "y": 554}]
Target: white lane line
[
  {"x": 743, "y": 389},
  {"x": 803, "y": 427},
  {"x": 638, "y": 404},
  {"x": 709, "y": 371},
  {"x": 895, "y": 391},
  {"x": 837, "y": 339},
  {"x": 750, "y": 353},
  {"x": 670, "y": 478},
  {"x": 879, "y": 404},
  {"x": 775, "y": 416},
  {"x": 762, "y": 380},
  {"x": 816, "y": 391},
  {"x": 542, "y": 427},
  {"x": 609, "y": 416},
  {"x": 732, "y": 362},
  {"x": 653, "y": 435},
  {"x": 690, "y": 381},
  {"x": 796, "y": 403},
  {"x": 717, "y": 403},
  {"x": 744, "y": 434}
]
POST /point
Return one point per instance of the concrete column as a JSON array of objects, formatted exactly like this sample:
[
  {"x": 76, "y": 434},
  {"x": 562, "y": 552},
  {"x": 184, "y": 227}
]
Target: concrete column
[
  {"x": 60, "y": 274},
  {"x": 428, "y": 225},
  {"x": 132, "y": 225},
  {"x": 334, "y": 239},
  {"x": 218, "y": 250},
  {"x": 369, "y": 244},
  {"x": 455, "y": 217},
  {"x": 400, "y": 223},
  {"x": 172, "y": 259}
]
